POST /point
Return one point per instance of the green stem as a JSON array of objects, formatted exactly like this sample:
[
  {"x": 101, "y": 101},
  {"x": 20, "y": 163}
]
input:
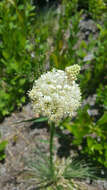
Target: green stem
[{"x": 52, "y": 130}]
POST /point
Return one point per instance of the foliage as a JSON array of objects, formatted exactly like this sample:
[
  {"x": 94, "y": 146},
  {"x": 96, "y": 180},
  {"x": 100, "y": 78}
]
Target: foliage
[
  {"x": 88, "y": 129},
  {"x": 65, "y": 171},
  {"x": 95, "y": 8},
  {"x": 17, "y": 64},
  {"x": 2, "y": 149},
  {"x": 78, "y": 169},
  {"x": 64, "y": 53},
  {"x": 91, "y": 136},
  {"x": 35, "y": 120}
]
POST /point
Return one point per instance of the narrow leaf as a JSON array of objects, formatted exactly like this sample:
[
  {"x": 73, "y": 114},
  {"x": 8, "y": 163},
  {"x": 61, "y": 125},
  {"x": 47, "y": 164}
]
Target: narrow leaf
[{"x": 35, "y": 120}]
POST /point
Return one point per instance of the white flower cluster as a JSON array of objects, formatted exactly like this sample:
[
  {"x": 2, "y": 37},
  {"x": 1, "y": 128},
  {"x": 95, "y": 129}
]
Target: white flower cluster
[{"x": 56, "y": 95}]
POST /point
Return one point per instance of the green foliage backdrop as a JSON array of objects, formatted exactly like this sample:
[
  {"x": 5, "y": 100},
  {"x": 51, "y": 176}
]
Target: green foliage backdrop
[{"x": 17, "y": 65}]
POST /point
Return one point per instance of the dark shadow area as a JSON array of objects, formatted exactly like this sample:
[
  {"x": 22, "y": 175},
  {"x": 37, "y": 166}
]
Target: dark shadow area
[
  {"x": 40, "y": 4},
  {"x": 66, "y": 145},
  {"x": 65, "y": 141},
  {"x": 41, "y": 125}
]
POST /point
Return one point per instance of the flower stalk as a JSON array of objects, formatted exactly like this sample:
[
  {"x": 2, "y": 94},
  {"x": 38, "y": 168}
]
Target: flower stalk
[{"x": 52, "y": 132}]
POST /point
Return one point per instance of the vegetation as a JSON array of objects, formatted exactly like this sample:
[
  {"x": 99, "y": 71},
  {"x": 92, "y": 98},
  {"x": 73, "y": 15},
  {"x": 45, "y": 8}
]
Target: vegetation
[
  {"x": 32, "y": 43},
  {"x": 87, "y": 128},
  {"x": 2, "y": 149},
  {"x": 18, "y": 66},
  {"x": 66, "y": 171}
]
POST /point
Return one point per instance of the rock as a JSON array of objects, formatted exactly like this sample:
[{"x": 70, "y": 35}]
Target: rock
[
  {"x": 102, "y": 184},
  {"x": 87, "y": 25},
  {"x": 88, "y": 57}
]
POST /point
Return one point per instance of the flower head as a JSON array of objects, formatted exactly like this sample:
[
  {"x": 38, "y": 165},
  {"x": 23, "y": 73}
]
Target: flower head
[
  {"x": 56, "y": 95},
  {"x": 72, "y": 72}
]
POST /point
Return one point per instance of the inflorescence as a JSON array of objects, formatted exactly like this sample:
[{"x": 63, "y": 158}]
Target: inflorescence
[{"x": 56, "y": 95}]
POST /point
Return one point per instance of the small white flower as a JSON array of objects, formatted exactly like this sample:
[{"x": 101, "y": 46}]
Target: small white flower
[{"x": 56, "y": 95}]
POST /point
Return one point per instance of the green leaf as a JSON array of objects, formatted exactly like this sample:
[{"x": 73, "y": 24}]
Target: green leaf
[
  {"x": 44, "y": 141},
  {"x": 103, "y": 119},
  {"x": 90, "y": 142},
  {"x": 5, "y": 112},
  {"x": 2, "y": 156},
  {"x": 3, "y": 145},
  {"x": 35, "y": 120},
  {"x": 59, "y": 187},
  {"x": 5, "y": 54},
  {"x": 22, "y": 81},
  {"x": 21, "y": 7},
  {"x": 98, "y": 147},
  {"x": 23, "y": 99}
]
